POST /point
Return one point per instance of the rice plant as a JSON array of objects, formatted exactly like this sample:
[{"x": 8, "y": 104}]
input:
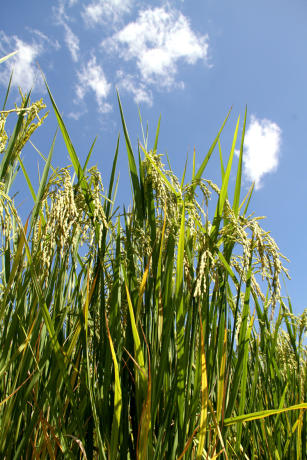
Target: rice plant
[{"x": 153, "y": 332}]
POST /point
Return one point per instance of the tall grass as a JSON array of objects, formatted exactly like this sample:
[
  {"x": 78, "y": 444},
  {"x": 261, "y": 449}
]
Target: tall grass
[{"x": 142, "y": 332}]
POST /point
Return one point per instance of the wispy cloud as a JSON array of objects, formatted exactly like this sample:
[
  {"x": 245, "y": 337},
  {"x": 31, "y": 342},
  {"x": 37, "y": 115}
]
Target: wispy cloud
[
  {"x": 262, "y": 149},
  {"x": 102, "y": 11},
  {"x": 75, "y": 115},
  {"x": 139, "y": 91},
  {"x": 44, "y": 39},
  {"x": 92, "y": 78},
  {"x": 71, "y": 39},
  {"x": 157, "y": 41},
  {"x": 23, "y": 64},
  {"x": 72, "y": 42}
]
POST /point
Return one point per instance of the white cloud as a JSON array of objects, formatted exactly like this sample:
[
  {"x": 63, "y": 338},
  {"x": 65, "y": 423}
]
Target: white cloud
[
  {"x": 43, "y": 38},
  {"x": 92, "y": 78},
  {"x": 76, "y": 115},
  {"x": 139, "y": 91},
  {"x": 157, "y": 40},
  {"x": 70, "y": 38},
  {"x": 72, "y": 42},
  {"x": 23, "y": 64},
  {"x": 262, "y": 148},
  {"x": 102, "y": 11}
]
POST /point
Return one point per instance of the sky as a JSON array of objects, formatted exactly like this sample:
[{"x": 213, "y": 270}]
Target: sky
[{"x": 190, "y": 62}]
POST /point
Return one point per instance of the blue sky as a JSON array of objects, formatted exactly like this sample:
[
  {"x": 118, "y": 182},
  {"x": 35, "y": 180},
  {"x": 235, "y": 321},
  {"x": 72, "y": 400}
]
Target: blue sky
[{"x": 188, "y": 61}]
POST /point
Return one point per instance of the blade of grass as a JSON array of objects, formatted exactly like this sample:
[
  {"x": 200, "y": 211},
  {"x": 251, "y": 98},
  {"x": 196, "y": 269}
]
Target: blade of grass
[
  {"x": 262, "y": 414},
  {"x": 75, "y": 161},
  {"x": 222, "y": 380},
  {"x": 243, "y": 384},
  {"x": 141, "y": 376},
  {"x": 42, "y": 185},
  {"x": 221, "y": 161},
  {"x": 243, "y": 343},
  {"x": 155, "y": 149},
  {"x": 8, "y": 56},
  {"x": 114, "y": 447},
  {"x": 202, "y": 167},
  {"x": 132, "y": 164},
  {"x": 89, "y": 377},
  {"x": 111, "y": 183},
  {"x": 43, "y": 156},
  {"x": 7, "y": 91},
  {"x": 180, "y": 318},
  {"x": 89, "y": 156},
  {"x": 184, "y": 173},
  {"x": 236, "y": 199},
  {"x": 144, "y": 442},
  {"x": 10, "y": 153},
  {"x": 247, "y": 199},
  {"x": 70, "y": 148},
  {"x": 204, "y": 394},
  {"x": 224, "y": 188}
]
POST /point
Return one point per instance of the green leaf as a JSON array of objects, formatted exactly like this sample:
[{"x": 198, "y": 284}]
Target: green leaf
[
  {"x": 243, "y": 383},
  {"x": 157, "y": 136},
  {"x": 181, "y": 367},
  {"x": 8, "y": 56},
  {"x": 262, "y": 414},
  {"x": 202, "y": 167},
  {"x": 42, "y": 185},
  {"x": 111, "y": 183},
  {"x": 10, "y": 155},
  {"x": 132, "y": 164},
  {"x": 204, "y": 395},
  {"x": 221, "y": 161},
  {"x": 7, "y": 91},
  {"x": 236, "y": 199},
  {"x": 70, "y": 148},
  {"x": 114, "y": 448},
  {"x": 247, "y": 199},
  {"x": 140, "y": 369},
  {"x": 224, "y": 188},
  {"x": 184, "y": 173},
  {"x": 89, "y": 156}
]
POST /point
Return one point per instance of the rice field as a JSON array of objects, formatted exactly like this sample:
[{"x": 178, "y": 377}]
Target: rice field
[{"x": 153, "y": 332}]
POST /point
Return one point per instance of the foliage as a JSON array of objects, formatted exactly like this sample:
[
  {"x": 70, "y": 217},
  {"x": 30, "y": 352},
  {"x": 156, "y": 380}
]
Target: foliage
[{"x": 142, "y": 334}]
